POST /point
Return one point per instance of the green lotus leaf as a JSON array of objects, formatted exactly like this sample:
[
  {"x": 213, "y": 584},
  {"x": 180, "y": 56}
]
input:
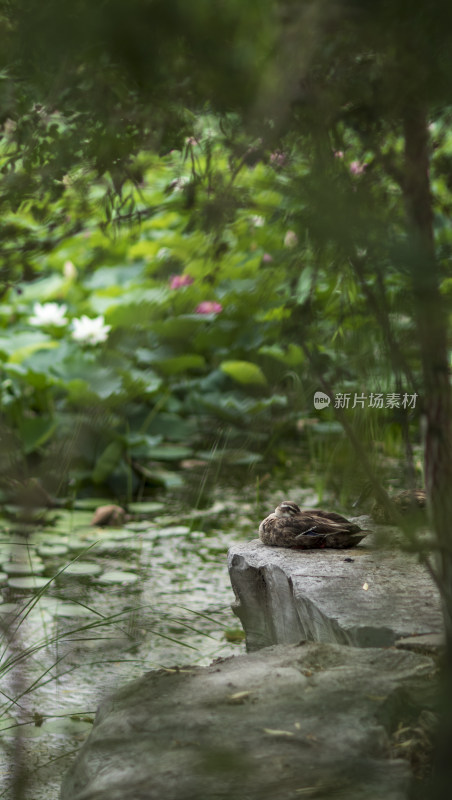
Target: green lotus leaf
[
  {"x": 70, "y": 610},
  {"x": 147, "y": 507},
  {"x": 36, "y": 431},
  {"x": 22, "y": 353},
  {"x": 292, "y": 355},
  {"x": 176, "y": 364},
  {"x": 117, "y": 576},
  {"x": 244, "y": 372},
  {"x": 52, "y": 550},
  {"x": 81, "y": 569},
  {"x": 107, "y": 462},
  {"x": 22, "y": 567},
  {"x": 29, "y": 582}
]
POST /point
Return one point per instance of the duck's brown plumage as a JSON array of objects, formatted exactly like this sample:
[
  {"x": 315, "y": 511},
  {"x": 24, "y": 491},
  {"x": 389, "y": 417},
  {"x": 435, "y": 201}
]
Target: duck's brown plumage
[
  {"x": 409, "y": 501},
  {"x": 289, "y": 526}
]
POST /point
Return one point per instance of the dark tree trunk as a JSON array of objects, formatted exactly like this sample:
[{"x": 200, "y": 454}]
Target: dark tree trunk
[{"x": 431, "y": 317}]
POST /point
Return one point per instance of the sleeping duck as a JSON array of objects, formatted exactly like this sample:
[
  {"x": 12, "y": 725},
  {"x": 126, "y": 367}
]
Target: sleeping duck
[
  {"x": 410, "y": 502},
  {"x": 289, "y": 526}
]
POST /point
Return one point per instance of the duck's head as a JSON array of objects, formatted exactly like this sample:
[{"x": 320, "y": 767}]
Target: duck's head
[{"x": 287, "y": 509}]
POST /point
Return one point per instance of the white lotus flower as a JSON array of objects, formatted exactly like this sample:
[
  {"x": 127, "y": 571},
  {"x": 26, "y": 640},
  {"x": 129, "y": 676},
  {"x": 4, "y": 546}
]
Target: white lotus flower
[
  {"x": 163, "y": 253},
  {"x": 69, "y": 270},
  {"x": 90, "y": 331},
  {"x": 290, "y": 239},
  {"x": 48, "y": 314}
]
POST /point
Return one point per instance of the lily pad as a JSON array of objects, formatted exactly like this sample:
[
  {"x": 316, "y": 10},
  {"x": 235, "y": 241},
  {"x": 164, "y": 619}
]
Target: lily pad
[
  {"x": 114, "y": 534},
  {"x": 114, "y": 545},
  {"x": 29, "y": 582},
  {"x": 163, "y": 477},
  {"x": 91, "y": 503},
  {"x": 232, "y": 456},
  {"x": 169, "y": 452},
  {"x": 145, "y": 508},
  {"x": 77, "y": 543},
  {"x": 52, "y": 550},
  {"x": 175, "y": 530},
  {"x": 117, "y": 576},
  {"x": 23, "y": 567},
  {"x": 50, "y": 536},
  {"x": 234, "y": 635},
  {"x": 66, "y": 726},
  {"x": 71, "y": 610},
  {"x": 3, "y": 577},
  {"x": 138, "y": 525},
  {"x": 81, "y": 569},
  {"x": 9, "y": 608},
  {"x": 70, "y": 520}
]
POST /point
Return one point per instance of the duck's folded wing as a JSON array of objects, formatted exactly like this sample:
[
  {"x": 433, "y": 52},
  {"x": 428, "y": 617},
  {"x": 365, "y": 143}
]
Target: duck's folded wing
[
  {"x": 324, "y": 522},
  {"x": 328, "y": 515}
]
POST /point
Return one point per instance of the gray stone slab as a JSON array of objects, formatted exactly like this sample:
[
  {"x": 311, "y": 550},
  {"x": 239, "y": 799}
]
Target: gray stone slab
[
  {"x": 364, "y": 596},
  {"x": 312, "y": 720}
]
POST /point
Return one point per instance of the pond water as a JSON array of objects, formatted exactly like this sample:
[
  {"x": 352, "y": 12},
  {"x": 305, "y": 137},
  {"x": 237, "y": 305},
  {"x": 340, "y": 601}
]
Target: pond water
[{"x": 154, "y": 593}]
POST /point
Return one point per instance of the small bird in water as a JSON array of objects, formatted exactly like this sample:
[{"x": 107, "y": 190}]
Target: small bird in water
[{"x": 289, "y": 526}]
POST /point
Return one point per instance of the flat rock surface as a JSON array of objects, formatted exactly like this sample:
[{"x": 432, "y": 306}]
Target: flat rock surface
[
  {"x": 310, "y": 720},
  {"x": 361, "y": 596}
]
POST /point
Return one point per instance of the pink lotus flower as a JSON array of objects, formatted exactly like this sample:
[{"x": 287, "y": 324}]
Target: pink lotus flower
[
  {"x": 338, "y": 154},
  {"x": 278, "y": 159},
  {"x": 176, "y": 281},
  {"x": 357, "y": 167},
  {"x": 267, "y": 258},
  {"x": 209, "y": 307}
]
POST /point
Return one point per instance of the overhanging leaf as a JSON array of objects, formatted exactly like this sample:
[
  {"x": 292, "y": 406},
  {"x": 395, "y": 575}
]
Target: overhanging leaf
[
  {"x": 292, "y": 355},
  {"x": 24, "y": 352},
  {"x": 35, "y": 432},
  {"x": 244, "y": 372},
  {"x": 304, "y": 285},
  {"x": 107, "y": 462},
  {"x": 171, "y": 366},
  {"x": 22, "y": 340}
]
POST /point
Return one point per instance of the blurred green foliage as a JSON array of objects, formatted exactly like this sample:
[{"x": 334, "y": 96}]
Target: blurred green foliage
[
  {"x": 213, "y": 197},
  {"x": 214, "y": 313}
]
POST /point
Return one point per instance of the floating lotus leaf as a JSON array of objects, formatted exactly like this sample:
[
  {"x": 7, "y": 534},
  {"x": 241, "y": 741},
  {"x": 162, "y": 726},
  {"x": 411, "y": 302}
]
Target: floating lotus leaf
[
  {"x": 71, "y": 610},
  {"x": 23, "y": 567},
  {"x": 52, "y": 550},
  {"x": 29, "y": 582},
  {"x": 65, "y": 726},
  {"x": 138, "y": 525},
  {"x": 113, "y": 534},
  {"x": 91, "y": 503},
  {"x": 113, "y": 545},
  {"x": 175, "y": 530},
  {"x": 117, "y": 576},
  {"x": 169, "y": 452},
  {"x": 77, "y": 543},
  {"x": 9, "y": 608},
  {"x": 146, "y": 507},
  {"x": 82, "y": 569}
]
